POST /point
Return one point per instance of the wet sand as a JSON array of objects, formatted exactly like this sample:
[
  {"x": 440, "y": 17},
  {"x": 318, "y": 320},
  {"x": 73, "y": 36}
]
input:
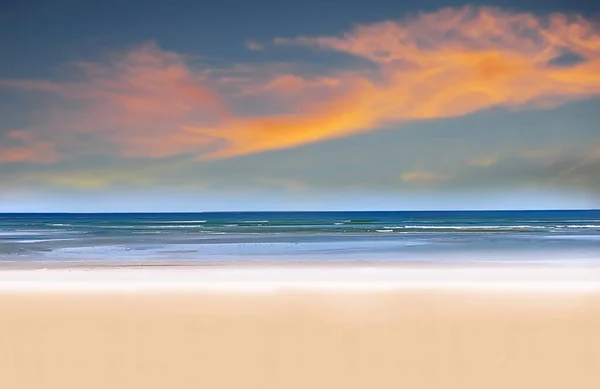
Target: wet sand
[{"x": 187, "y": 328}]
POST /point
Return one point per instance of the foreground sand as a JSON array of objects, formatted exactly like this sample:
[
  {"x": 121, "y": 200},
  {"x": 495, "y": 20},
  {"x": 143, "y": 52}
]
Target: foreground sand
[{"x": 316, "y": 334}]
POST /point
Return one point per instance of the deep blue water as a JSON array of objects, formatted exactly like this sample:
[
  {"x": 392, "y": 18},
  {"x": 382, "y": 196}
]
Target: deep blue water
[{"x": 288, "y": 237}]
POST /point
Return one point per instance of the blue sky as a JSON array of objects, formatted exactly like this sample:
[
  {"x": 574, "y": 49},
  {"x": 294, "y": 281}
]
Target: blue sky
[{"x": 269, "y": 105}]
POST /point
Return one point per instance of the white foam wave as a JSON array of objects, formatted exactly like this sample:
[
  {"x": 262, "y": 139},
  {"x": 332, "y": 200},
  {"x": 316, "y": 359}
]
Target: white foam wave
[
  {"x": 176, "y": 226},
  {"x": 42, "y": 240},
  {"x": 18, "y": 233},
  {"x": 186, "y": 221},
  {"x": 580, "y": 226},
  {"x": 497, "y": 227}
]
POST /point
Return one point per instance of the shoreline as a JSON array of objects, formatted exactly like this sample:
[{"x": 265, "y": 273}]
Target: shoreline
[{"x": 322, "y": 277}]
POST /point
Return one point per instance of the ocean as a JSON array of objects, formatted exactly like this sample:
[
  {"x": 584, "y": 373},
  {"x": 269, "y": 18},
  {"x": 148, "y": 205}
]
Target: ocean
[{"x": 218, "y": 238}]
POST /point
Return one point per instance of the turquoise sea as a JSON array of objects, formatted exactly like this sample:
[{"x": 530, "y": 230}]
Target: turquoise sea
[{"x": 212, "y": 238}]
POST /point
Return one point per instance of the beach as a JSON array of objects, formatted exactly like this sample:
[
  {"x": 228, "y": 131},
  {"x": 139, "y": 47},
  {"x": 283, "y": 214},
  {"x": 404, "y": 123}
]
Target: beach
[
  {"x": 301, "y": 327},
  {"x": 300, "y": 195}
]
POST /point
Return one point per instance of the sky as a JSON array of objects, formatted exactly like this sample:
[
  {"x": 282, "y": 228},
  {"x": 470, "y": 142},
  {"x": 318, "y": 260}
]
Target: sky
[{"x": 112, "y": 106}]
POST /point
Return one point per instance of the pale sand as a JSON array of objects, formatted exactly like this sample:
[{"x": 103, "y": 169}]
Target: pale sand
[{"x": 319, "y": 328}]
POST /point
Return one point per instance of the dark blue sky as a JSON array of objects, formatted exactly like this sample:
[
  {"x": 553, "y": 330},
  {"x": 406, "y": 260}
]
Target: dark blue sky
[{"x": 35, "y": 36}]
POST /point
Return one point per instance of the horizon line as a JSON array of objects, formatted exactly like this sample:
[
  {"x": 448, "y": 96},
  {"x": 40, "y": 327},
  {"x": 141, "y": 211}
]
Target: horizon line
[{"x": 303, "y": 211}]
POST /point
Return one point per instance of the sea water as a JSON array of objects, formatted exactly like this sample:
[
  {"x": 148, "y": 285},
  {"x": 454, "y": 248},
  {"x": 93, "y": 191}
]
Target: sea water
[{"x": 557, "y": 237}]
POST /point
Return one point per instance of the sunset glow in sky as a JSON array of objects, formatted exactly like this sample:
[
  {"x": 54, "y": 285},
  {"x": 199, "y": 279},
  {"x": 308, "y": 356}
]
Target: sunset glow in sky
[{"x": 322, "y": 105}]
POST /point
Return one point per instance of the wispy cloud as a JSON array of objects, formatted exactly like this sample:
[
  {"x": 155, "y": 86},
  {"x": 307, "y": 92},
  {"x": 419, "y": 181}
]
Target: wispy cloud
[
  {"x": 546, "y": 155},
  {"x": 420, "y": 176},
  {"x": 33, "y": 85},
  {"x": 151, "y": 103},
  {"x": 254, "y": 45},
  {"x": 137, "y": 102},
  {"x": 109, "y": 175},
  {"x": 576, "y": 167},
  {"x": 485, "y": 161},
  {"x": 27, "y": 149},
  {"x": 590, "y": 159}
]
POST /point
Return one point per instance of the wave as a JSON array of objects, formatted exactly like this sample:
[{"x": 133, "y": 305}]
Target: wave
[
  {"x": 358, "y": 221},
  {"x": 140, "y": 227},
  {"x": 173, "y": 226},
  {"x": 521, "y": 227},
  {"x": 19, "y": 233},
  {"x": 182, "y": 221},
  {"x": 580, "y": 226},
  {"x": 494, "y": 227},
  {"x": 43, "y": 240}
]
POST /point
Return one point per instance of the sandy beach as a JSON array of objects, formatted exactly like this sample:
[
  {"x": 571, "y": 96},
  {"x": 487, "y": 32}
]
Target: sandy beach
[{"x": 300, "y": 328}]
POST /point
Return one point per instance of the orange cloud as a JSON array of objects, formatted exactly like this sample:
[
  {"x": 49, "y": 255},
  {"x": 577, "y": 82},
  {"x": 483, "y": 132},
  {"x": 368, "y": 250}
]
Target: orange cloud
[
  {"x": 320, "y": 120},
  {"x": 444, "y": 64},
  {"x": 289, "y": 83},
  {"x": 436, "y": 65},
  {"x": 138, "y": 102}
]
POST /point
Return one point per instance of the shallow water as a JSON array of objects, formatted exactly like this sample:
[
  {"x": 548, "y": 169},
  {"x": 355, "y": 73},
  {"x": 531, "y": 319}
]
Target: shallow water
[{"x": 561, "y": 237}]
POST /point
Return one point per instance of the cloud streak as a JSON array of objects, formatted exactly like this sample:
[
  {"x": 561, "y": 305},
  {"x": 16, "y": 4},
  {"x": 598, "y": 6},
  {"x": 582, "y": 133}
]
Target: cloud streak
[
  {"x": 136, "y": 103},
  {"x": 421, "y": 176},
  {"x": 485, "y": 161},
  {"x": 151, "y": 103},
  {"x": 27, "y": 149}
]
